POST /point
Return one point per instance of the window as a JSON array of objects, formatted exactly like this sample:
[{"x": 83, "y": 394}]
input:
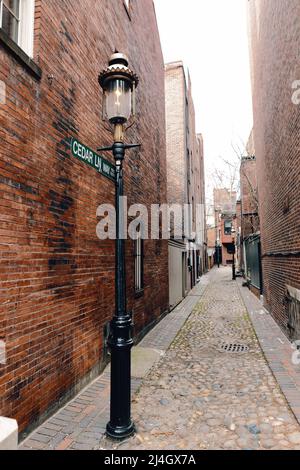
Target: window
[
  {"x": 227, "y": 227},
  {"x": 17, "y": 21},
  {"x": 139, "y": 265},
  {"x": 10, "y": 18}
]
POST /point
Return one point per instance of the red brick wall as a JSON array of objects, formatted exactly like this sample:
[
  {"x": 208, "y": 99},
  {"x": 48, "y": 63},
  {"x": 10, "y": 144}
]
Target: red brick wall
[
  {"x": 176, "y": 126},
  {"x": 185, "y": 157},
  {"x": 249, "y": 196},
  {"x": 211, "y": 237},
  {"x": 275, "y": 43},
  {"x": 57, "y": 278}
]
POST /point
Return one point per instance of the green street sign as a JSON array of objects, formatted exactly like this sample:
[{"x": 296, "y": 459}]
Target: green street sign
[{"x": 88, "y": 156}]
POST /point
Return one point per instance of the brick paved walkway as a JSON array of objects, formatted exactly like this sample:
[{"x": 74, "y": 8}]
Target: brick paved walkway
[
  {"x": 203, "y": 394},
  {"x": 80, "y": 425}
]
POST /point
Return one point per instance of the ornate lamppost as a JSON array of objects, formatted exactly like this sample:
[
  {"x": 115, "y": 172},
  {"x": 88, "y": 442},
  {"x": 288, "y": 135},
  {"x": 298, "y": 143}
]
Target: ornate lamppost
[
  {"x": 218, "y": 249},
  {"x": 233, "y": 232},
  {"x": 118, "y": 83}
]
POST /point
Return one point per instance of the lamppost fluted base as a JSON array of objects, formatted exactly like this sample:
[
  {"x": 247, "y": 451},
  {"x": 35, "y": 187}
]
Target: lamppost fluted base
[
  {"x": 119, "y": 433},
  {"x": 120, "y": 343}
]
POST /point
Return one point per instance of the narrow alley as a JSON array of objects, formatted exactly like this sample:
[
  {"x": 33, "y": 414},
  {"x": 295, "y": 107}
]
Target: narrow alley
[
  {"x": 212, "y": 389},
  {"x": 149, "y": 229}
]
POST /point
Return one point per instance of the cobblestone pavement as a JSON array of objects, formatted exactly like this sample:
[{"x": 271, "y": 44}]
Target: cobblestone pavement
[
  {"x": 80, "y": 425},
  {"x": 213, "y": 389},
  {"x": 281, "y": 354}
]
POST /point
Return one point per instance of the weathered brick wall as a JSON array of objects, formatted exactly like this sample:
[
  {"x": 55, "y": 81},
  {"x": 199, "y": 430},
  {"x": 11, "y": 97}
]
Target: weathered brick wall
[
  {"x": 176, "y": 133},
  {"x": 211, "y": 237},
  {"x": 185, "y": 168},
  {"x": 185, "y": 159},
  {"x": 225, "y": 200},
  {"x": 193, "y": 157},
  {"x": 275, "y": 42},
  {"x": 249, "y": 196},
  {"x": 250, "y": 147},
  {"x": 57, "y": 278},
  {"x": 199, "y": 178}
]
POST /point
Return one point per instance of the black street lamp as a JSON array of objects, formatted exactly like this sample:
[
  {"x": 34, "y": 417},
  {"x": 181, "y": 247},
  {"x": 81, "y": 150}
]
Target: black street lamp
[
  {"x": 233, "y": 232},
  {"x": 119, "y": 83},
  {"x": 218, "y": 246}
]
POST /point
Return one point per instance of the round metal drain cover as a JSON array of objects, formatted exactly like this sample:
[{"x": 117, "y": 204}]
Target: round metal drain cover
[{"x": 233, "y": 347}]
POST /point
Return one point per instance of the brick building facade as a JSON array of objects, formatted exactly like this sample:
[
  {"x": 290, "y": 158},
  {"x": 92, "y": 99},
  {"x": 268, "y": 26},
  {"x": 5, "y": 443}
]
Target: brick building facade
[
  {"x": 274, "y": 45},
  {"x": 249, "y": 191},
  {"x": 249, "y": 243},
  {"x": 185, "y": 183},
  {"x": 200, "y": 197},
  {"x": 225, "y": 221},
  {"x": 57, "y": 277},
  {"x": 211, "y": 246}
]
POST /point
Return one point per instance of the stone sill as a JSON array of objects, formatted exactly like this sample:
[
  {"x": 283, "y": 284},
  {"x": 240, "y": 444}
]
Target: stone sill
[
  {"x": 20, "y": 55},
  {"x": 8, "y": 434}
]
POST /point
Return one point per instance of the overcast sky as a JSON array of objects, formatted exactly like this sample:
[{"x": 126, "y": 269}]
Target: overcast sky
[{"x": 210, "y": 37}]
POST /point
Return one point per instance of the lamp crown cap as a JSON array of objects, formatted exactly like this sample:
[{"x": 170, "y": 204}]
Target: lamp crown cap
[{"x": 118, "y": 58}]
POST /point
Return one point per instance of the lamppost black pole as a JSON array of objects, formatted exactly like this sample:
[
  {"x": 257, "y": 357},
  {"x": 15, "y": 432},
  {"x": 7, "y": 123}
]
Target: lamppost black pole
[
  {"x": 119, "y": 83},
  {"x": 218, "y": 254},
  {"x": 233, "y": 268},
  {"x": 233, "y": 256}
]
